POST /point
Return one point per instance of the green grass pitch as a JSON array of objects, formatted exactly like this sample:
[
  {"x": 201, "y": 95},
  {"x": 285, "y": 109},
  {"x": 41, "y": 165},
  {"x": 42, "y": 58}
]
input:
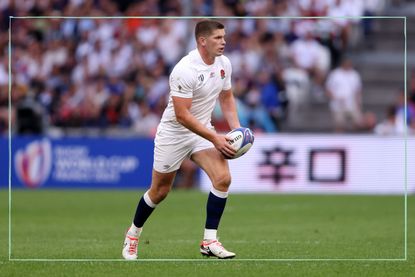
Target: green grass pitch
[{"x": 71, "y": 224}]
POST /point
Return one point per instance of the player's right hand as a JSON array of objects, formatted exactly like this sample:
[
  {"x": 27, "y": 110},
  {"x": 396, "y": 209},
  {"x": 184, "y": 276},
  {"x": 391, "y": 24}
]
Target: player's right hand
[{"x": 221, "y": 143}]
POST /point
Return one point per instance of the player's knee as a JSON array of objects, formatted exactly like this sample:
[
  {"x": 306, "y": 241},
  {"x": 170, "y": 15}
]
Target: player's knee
[
  {"x": 160, "y": 193},
  {"x": 223, "y": 181}
]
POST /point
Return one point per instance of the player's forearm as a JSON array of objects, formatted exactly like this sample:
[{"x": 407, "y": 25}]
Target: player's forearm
[
  {"x": 232, "y": 119},
  {"x": 190, "y": 122},
  {"x": 229, "y": 111}
]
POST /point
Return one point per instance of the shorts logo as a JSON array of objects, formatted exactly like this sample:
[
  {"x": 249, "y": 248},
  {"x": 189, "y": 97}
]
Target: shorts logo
[
  {"x": 222, "y": 74},
  {"x": 166, "y": 166},
  {"x": 33, "y": 164}
]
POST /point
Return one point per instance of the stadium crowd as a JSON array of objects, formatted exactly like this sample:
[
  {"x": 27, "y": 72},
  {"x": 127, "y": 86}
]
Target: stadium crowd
[{"x": 113, "y": 72}]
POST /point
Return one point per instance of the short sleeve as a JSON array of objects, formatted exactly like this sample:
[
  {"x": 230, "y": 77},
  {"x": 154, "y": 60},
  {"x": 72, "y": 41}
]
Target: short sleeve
[
  {"x": 228, "y": 74},
  {"x": 182, "y": 82}
]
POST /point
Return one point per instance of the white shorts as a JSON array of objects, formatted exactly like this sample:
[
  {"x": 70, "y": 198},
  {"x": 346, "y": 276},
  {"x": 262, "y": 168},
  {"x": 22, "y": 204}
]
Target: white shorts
[{"x": 170, "y": 149}]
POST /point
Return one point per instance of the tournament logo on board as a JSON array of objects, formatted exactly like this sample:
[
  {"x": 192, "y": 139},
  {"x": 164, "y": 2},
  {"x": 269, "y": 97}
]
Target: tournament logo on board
[{"x": 33, "y": 164}]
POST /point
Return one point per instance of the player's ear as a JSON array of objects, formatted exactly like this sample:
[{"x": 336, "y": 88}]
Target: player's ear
[{"x": 202, "y": 41}]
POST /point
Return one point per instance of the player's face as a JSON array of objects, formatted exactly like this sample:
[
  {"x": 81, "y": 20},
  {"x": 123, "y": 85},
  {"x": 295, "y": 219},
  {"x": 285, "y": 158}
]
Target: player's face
[{"x": 215, "y": 43}]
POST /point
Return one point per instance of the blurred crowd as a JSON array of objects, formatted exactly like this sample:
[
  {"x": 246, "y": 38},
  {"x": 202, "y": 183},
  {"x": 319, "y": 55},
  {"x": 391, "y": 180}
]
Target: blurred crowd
[
  {"x": 113, "y": 72},
  {"x": 400, "y": 118}
]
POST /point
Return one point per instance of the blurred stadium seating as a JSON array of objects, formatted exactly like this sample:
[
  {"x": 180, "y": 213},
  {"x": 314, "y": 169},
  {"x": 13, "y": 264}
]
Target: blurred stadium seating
[{"x": 110, "y": 76}]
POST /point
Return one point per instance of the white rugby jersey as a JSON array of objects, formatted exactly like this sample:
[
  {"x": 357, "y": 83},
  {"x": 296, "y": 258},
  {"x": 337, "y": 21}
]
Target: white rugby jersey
[{"x": 192, "y": 78}]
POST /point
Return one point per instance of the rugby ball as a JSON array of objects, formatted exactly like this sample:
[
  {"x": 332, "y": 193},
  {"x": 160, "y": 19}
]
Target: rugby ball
[{"x": 241, "y": 139}]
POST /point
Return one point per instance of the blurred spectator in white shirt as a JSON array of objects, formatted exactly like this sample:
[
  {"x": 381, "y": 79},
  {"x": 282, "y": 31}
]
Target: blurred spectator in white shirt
[
  {"x": 387, "y": 126},
  {"x": 297, "y": 88},
  {"x": 171, "y": 39},
  {"x": 310, "y": 55},
  {"x": 344, "y": 87},
  {"x": 146, "y": 124}
]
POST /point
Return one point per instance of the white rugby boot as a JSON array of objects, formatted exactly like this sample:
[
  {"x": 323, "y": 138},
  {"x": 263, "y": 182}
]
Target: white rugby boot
[
  {"x": 214, "y": 248},
  {"x": 129, "y": 251}
]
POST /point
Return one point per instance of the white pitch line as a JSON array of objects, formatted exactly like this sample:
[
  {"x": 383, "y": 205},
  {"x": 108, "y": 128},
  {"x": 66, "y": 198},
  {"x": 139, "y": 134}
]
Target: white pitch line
[{"x": 210, "y": 260}]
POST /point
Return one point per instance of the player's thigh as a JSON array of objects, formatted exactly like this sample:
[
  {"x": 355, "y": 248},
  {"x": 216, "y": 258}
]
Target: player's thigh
[
  {"x": 162, "y": 180},
  {"x": 169, "y": 153},
  {"x": 215, "y": 166}
]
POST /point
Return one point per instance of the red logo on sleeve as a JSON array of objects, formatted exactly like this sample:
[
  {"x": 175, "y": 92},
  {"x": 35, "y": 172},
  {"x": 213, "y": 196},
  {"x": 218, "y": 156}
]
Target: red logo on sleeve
[{"x": 222, "y": 74}]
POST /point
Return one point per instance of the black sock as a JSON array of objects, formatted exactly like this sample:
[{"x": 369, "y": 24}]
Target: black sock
[
  {"x": 214, "y": 210},
  {"x": 142, "y": 212}
]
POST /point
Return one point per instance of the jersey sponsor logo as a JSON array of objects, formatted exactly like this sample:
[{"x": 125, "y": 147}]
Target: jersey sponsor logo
[
  {"x": 222, "y": 74},
  {"x": 201, "y": 77}
]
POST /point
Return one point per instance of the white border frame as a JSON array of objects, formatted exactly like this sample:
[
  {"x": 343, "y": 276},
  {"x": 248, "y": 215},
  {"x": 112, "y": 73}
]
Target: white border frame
[{"x": 405, "y": 258}]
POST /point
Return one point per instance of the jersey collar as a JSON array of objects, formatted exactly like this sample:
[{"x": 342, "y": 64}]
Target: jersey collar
[{"x": 197, "y": 58}]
